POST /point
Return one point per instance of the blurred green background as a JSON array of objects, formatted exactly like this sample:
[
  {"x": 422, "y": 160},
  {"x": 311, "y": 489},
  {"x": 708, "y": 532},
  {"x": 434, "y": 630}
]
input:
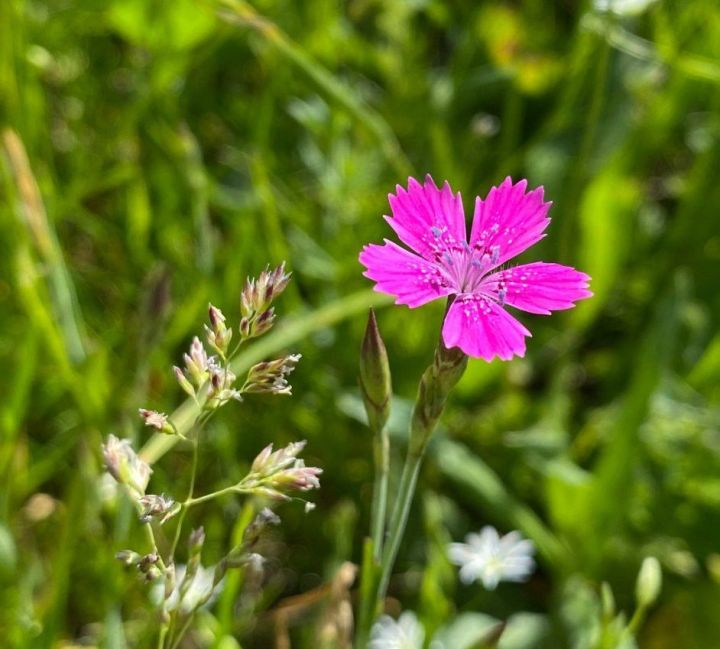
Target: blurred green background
[{"x": 154, "y": 153}]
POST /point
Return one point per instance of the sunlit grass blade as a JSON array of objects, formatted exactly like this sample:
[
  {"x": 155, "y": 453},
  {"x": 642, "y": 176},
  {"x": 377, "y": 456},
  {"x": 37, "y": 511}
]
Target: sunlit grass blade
[{"x": 31, "y": 210}]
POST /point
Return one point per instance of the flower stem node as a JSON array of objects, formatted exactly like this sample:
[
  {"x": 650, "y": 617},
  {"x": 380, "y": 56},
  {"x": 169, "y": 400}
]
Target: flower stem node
[
  {"x": 375, "y": 381},
  {"x": 125, "y": 465}
]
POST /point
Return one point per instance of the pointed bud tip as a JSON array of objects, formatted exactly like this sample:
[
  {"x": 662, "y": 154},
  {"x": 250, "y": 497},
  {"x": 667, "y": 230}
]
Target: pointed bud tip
[{"x": 375, "y": 379}]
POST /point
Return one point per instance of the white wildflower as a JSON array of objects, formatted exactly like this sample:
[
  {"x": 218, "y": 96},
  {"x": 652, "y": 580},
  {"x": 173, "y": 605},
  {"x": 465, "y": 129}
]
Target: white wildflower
[
  {"x": 125, "y": 465},
  {"x": 405, "y": 633},
  {"x": 490, "y": 558},
  {"x": 200, "y": 590},
  {"x": 623, "y": 7}
]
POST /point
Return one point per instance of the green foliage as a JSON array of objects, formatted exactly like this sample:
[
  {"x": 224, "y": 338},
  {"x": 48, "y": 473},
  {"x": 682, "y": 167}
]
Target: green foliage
[{"x": 153, "y": 154}]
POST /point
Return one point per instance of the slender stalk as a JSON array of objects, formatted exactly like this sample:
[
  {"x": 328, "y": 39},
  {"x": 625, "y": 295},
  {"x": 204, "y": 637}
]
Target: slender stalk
[
  {"x": 182, "y": 632},
  {"x": 371, "y": 561},
  {"x": 162, "y": 635},
  {"x": 636, "y": 621},
  {"x": 401, "y": 511},
  {"x": 435, "y": 385},
  {"x": 191, "y": 489},
  {"x": 166, "y": 626},
  {"x": 153, "y": 543},
  {"x": 215, "y": 494},
  {"x": 381, "y": 447},
  {"x": 376, "y": 388}
]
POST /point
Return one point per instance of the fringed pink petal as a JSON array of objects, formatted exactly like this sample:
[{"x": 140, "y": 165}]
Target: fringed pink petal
[
  {"x": 483, "y": 329},
  {"x": 539, "y": 287},
  {"x": 411, "y": 279},
  {"x": 508, "y": 221},
  {"x": 429, "y": 220}
]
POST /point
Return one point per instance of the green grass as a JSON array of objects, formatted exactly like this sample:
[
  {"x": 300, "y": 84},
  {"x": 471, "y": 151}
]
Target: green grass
[{"x": 153, "y": 154}]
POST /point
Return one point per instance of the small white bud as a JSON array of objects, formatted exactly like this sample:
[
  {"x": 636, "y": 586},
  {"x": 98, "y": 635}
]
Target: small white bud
[{"x": 649, "y": 582}]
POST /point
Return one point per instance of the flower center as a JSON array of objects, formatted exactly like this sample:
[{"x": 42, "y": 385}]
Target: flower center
[{"x": 466, "y": 268}]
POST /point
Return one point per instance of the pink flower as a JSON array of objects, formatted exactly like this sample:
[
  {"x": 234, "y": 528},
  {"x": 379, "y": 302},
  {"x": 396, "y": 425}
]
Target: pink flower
[{"x": 431, "y": 222}]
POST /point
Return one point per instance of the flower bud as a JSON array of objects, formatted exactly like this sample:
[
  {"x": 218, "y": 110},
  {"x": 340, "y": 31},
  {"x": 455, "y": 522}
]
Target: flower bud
[
  {"x": 152, "y": 573},
  {"x": 273, "y": 474},
  {"x": 255, "y": 300},
  {"x": 264, "y": 322},
  {"x": 125, "y": 465},
  {"x": 220, "y": 390},
  {"x": 270, "y": 377},
  {"x": 147, "y": 565},
  {"x": 247, "y": 298},
  {"x": 375, "y": 381},
  {"x": 279, "y": 280},
  {"x": 197, "y": 363},
  {"x": 649, "y": 582},
  {"x": 196, "y": 540},
  {"x": 258, "y": 525},
  {"x": 608, "y": 601},
  {"x": 147, "y": 561},
  {"x": 157, "y": 420},
  {"x": 298, "y": 478},
  {"x": 128, "y": 557},
  {"x": 218, "y": 335},
  {"x": 160, "y": 507},
  {"x": 182, "y": 380},
  {"x": 268, "y": 462}
]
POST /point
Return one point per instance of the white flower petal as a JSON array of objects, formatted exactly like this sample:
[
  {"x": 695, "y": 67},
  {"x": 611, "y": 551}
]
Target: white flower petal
[
  {"x": 405, "y": 633},
  {"x": 489, "y": 558}
]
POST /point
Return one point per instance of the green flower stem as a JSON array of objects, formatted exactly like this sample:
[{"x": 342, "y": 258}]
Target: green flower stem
[
  {"x": 215, "y": 494},
  {"x": 636, "y": 621},
  {"x": 401, "y": 511},
  {"x": 178, "y": 639},
  {"x": 191, "y": 489},
  {"x": 371, "y": 561},
  {"x": 381, "y": 448},
  {"x": 153, "y": 544},
  {"x": 435, "y": 385},
  {"x": 162, "y": 635}
]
